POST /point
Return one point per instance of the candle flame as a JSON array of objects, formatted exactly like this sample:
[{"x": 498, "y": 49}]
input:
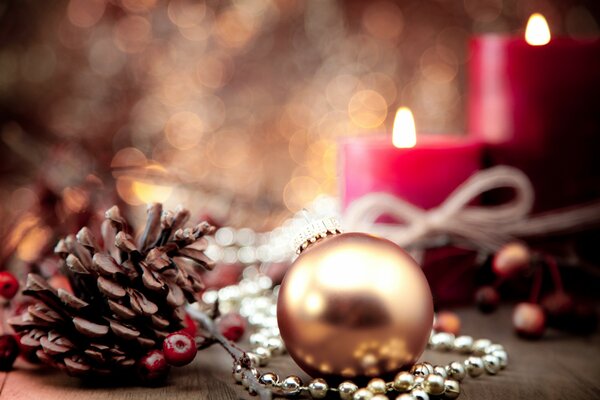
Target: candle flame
[
  {"x": 537, "y": 32},
  {"x": 404, "y": 133}
]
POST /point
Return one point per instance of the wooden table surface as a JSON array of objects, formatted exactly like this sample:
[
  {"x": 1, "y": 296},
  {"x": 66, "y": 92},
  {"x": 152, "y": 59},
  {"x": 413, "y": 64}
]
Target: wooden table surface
[{"x": 558, "y": 367}]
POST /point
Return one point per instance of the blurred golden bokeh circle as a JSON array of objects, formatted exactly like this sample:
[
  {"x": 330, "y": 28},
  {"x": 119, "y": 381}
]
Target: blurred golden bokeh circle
[
  {"x": 184, "y": 130},
  {"x": 367, "y": 109}
]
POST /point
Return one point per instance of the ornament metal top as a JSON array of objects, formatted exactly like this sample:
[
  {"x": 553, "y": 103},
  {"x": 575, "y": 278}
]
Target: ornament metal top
[{"x": 353, "y": 305}]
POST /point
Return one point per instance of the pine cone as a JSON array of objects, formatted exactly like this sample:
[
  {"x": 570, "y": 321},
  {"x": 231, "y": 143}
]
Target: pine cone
[{"x": 126, "y": 299}]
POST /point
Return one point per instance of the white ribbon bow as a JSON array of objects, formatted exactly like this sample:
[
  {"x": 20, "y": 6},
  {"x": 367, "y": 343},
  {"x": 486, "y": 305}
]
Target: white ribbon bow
[{"x": 487, "y": 226}]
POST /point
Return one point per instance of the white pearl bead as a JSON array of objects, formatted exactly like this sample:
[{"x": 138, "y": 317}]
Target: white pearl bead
[
  {"x": 377, "y": 386},
  {"x": 502, "y": 358},
  {"x": 419, "y": 394},
  {"x": 433, "y": 384},
  {"x": 363, "y": 394},
  {"x": 480, "y": 345},
  {"x": 403, "y": 381},
  {"x": 442, "y": 341},
  {"x": 318, "y": 388},
  {"x": 420, "y": 369},
  {"x": 225, "y": 236},
  {"x": 463, "y": 344},
  {"x": 456, "y": 371},
  {"x": 237, "y": 373},
  {"x": 379, "y": 397},
  {"x": 291, "y": 385},
  {"x": 494, "y": 347},
  {"x": 258, "y": 339},
  {"x": 452, "y": 389},
  {"x": 275, "y": 345},
  {"x": 441, "y": 371},
  {"x": 346, "y": 390},
  {"x": 474, "y": 366},
  {"x": 254, "y": 359},
  {"x": 256, "y": 319},
  {"x": 269, "y": 379},
  {"x": 263, "y": 354},
  {"x": 491, "y": 364},
  {"x": 210, "y": 296}
]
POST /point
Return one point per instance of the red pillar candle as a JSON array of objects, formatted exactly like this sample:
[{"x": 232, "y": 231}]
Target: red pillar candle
[
  {"x": 536, "y": 103},
  {"x": 424, "y": 172}
]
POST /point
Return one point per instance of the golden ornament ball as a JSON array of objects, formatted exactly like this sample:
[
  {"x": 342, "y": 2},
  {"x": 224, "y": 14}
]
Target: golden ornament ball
[{"x": 354, "y": 305}]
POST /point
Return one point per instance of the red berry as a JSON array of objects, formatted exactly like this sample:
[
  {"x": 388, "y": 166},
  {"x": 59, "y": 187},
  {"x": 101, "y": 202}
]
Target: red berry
[
  {"x": 189, "y": 326},
  {"x": 447, "y": 321},
  {"x": 511, "y": 259},
  {"x": 487, "y": 299},
  {"x": 232, "y": 326},
  {"x": 179, "y": 348},
  {"x": 9, "y": 350},
  {"x": 559, "y": 308},
  {"x": 529, "y": 320},
  {"x": 9, "y": 285},
  {"x": 153, "y": 368}
]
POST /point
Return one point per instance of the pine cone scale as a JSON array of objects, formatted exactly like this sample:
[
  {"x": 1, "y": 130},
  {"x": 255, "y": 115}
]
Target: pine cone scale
[
  {"x": 121, "y": 311},
  {"x": 71, "y": 301},
  {"x": 152, "y": 230},
  {"x": 75, "y": 265},
  {"x": 53, "y": 348},
  {"x": 87, "y": 239},
  {"x": 111, "y": 289},
  {"x": 89, "y": 329},
  {"x": 79, "y": 251},
  {"x": 106, "y": 265}
]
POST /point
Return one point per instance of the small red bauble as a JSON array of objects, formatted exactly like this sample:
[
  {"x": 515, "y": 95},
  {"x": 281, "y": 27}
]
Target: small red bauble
[
  {"x": 447, "y": 321},
  {"x": 232, "y": 326},
  {"x": 487, "y": 299},
  {"x": 179, "y": 348},
  {"x": 153, "y": 368},
  {"x": 9, "y": 350},
  {"x": 9, "y": 285},
  {"x": 529, "y": 320},
  {"x": 511, "y": 259}
]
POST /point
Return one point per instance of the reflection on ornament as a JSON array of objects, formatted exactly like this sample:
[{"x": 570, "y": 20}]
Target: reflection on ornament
[{"x": 354, "y": 305}]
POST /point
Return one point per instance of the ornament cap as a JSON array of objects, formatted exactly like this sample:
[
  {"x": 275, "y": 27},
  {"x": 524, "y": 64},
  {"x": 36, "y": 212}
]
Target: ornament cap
[{"x": 316, "y": 230}]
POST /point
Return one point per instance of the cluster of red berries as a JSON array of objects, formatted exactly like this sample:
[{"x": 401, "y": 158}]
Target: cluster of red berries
[
  {"x": 9, "y": 346},
  {"x": 530, "y": 319},
  {"x": 179, "y": 348}
]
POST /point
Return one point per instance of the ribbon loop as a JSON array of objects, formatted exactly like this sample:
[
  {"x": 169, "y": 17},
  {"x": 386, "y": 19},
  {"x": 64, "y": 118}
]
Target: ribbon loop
[{"x": 483, "y": 225}]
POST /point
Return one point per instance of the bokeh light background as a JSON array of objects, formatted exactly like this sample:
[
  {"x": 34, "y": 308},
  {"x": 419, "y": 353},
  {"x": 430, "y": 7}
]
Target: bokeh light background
[{"x": 232, "y": 108}]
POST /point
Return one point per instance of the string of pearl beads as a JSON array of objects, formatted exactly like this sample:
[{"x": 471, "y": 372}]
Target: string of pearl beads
[{"x": 422, "y": 381}]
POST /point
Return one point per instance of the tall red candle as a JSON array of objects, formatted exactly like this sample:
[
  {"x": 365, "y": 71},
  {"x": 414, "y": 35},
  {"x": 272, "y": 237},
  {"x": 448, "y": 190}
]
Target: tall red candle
[
  {"x": 423, "y": 174},
  {"x": 538, "y": 107}
]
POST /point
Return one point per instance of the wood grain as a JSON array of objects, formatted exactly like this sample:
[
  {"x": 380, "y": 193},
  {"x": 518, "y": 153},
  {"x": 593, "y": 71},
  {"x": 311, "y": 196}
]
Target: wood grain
[{"x": 557, "y": 367}]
